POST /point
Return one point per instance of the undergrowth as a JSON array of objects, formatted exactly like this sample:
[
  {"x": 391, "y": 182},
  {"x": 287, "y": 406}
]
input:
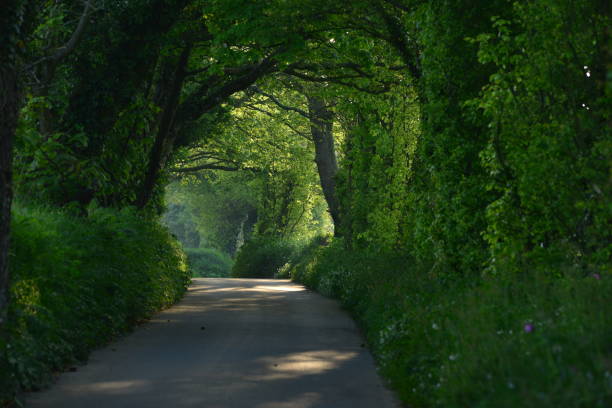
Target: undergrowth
[
  {"x": 531, "y": 341},
  {"x": 269, "y": 257},
  {"x": 263, "y": 257},
  {"x": 77, "y": 283},
  {"x": 208, "y": 262}
]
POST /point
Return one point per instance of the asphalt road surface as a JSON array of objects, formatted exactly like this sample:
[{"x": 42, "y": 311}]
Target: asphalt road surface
[{"x": 231, "y": 343}]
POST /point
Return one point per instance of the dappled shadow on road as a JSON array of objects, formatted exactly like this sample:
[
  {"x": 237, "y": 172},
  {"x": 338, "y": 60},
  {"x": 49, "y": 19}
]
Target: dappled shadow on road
[
  {"x": 231, "y": 344},
  {"x": 306, "y": 379}
]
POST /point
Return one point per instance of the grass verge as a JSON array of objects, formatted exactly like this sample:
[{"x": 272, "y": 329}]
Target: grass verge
[{"x": 528, "y": 341}]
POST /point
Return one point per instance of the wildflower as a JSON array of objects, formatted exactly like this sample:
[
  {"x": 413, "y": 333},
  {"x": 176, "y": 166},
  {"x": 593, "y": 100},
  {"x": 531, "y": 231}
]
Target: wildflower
[
  {"x": 435, "y": 326},
  {"x": 528, "y": 328},
  {"x": 452, "y": 357},
  {"x": 596, "y": 276}
]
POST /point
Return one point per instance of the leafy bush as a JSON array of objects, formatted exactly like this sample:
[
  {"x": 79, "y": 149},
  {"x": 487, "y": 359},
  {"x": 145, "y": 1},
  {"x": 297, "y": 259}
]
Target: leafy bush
[
  {"x": 263, "y": 257},
  {"x": 529, "y": 342},
  {"x": 79, "y": 282},
  {"x": 208, "y": 262}
]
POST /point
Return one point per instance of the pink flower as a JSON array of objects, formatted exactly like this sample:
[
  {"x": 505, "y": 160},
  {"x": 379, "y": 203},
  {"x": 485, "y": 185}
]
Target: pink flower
[
  {"x": 528, "y": 328},
  {"x": 596, "y": 276}
]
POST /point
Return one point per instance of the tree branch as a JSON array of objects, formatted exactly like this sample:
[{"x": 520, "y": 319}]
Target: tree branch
[
  {"x": 195, "y": 169},
  {"x": 62, "y": 52},
  {"x": 67, "y": 48},
  {"x": 204, "y": 167},
  {"x": 197, "y": 71},
  {"x": 399, "y": 41},
  {"x": 309, "y": 78},
  {"x": 280, "y": 104},
  {"x": 204, "y": 99},
  {"x": 284, "y": 122}
]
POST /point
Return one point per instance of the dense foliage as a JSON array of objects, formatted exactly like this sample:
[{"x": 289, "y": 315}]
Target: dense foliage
[
  {"x": 459, "y": 153},
  {"x": 208, "y": 263},
  {"x": 530, "y": 341},
  {"x": 64, "y": 271},
  {"x": 475, "y": 205},
  {"x": 263, "y": 258}
]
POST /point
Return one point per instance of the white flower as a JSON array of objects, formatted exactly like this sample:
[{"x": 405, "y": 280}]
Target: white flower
[{"x": 435, "y": 326}]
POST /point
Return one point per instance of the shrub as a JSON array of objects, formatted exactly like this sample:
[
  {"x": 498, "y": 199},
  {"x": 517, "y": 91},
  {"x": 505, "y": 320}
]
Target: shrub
[
  {"x": 208, "y": 262},
  {"x": 78, "y": 282},
  {"x": 530, "y": 341},
  {"x": 263, "y": 257}
]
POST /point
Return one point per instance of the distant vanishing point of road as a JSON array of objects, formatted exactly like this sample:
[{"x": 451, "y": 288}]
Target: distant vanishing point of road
[{"x": 231, "y": 343}]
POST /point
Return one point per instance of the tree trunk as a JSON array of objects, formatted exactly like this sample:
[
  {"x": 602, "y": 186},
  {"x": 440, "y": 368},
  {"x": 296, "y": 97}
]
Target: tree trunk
[
  {"x": 9, "y": 109},
  {"x": 164, "y": 139},
  {"x": 321, "y": 122}
]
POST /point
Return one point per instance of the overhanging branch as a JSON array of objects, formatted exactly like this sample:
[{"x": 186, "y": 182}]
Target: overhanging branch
[
  {"x": 204, "y": 167},
  {"x": 67, "y": 48},
  {"x": 280, "y": 104}
]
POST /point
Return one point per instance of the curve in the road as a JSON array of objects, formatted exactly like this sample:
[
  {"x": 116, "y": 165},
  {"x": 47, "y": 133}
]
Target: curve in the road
[{"x": 231, "y": 343}]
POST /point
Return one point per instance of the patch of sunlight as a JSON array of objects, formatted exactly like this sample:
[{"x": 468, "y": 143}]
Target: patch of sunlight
[
  {"x": 212, "y": 289},
  {"x": 113, "y": 387},
  {"x": 296, "y": 365},
  {"x": 277, "y": 288}
]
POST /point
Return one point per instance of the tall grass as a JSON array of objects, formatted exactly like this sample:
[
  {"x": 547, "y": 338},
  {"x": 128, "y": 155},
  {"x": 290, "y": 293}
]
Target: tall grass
[
  {"x": 529, "y": 341},
  {"x": 78, "y": 282}
]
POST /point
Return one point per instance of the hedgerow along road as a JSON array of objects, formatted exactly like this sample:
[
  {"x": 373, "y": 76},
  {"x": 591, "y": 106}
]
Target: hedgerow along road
[{"x": 230, "y": 343}]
